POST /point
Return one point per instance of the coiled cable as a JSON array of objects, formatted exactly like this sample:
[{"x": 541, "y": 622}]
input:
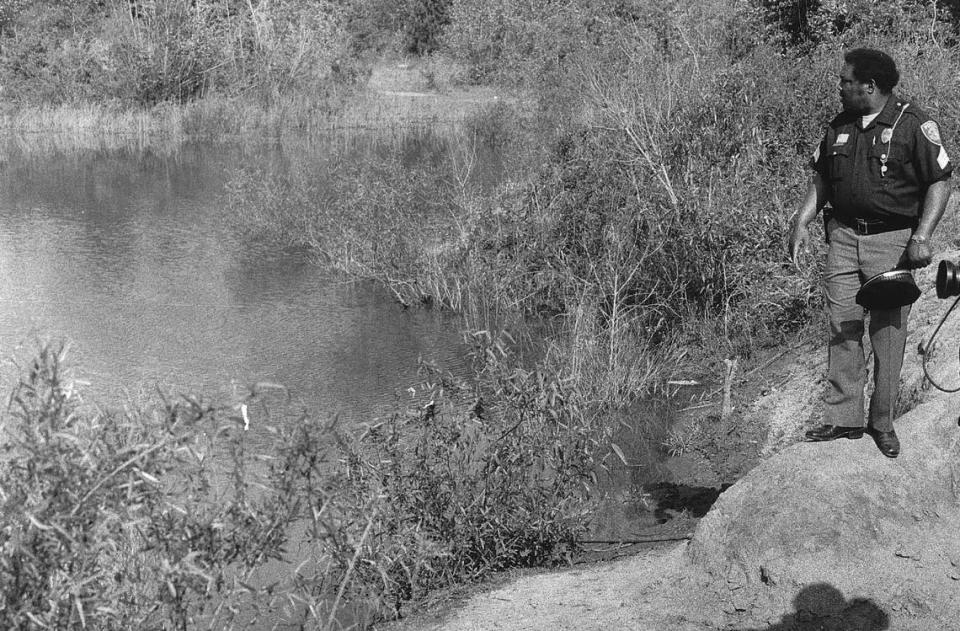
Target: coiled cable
[{"x": 923, "y": 348}]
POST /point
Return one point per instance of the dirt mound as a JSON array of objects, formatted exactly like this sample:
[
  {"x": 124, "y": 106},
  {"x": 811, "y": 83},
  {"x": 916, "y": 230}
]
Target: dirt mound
[{"x": 840, "y": 514}]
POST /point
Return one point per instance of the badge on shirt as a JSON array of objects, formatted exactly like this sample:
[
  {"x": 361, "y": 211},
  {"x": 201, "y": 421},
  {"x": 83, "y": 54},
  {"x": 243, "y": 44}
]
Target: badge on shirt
[
  {"x": 932, "y": 132},
  {"x": 841, "y": 140},
  {"x": 886, "y": 135}
]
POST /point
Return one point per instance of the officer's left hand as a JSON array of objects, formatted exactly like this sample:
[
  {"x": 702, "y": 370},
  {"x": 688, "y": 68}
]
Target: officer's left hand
[{"x": 917, "y": 255}]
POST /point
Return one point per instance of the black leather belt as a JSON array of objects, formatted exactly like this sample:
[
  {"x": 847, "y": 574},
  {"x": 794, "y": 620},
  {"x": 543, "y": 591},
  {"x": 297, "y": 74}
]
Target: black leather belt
[{"x": 876, "y": 226}]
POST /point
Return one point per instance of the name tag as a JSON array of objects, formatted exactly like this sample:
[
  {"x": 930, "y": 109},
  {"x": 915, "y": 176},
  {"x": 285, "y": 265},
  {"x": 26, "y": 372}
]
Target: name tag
[{"x": 841, "y": 140}]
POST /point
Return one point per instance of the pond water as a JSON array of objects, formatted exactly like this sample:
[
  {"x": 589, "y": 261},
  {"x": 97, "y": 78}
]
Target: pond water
[{"x": 134, "y": 258}]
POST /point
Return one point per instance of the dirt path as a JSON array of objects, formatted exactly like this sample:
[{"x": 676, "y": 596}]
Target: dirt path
[{"x": 416, "y": 93}]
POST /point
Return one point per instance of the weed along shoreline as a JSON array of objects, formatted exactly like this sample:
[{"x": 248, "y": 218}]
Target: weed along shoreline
[{"x": 595, "y": 195}]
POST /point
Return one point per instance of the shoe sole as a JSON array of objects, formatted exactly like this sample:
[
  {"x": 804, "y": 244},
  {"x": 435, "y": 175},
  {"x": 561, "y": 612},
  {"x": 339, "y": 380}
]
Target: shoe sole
[{"x": 849, "y": 436}]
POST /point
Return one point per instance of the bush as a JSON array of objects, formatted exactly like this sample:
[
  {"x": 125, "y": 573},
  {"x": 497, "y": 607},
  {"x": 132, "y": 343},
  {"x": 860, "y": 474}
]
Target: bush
[
  {"x": 147, "y": 53},
  {"x": 806, "y": 24},
  {"x": 423, "y": 22},
  {"x": 162, "y": 518},
  {"x": 474, "y": 478},
  {"x": 114, "y": 520},
  {"x": 515, "y": 41}
]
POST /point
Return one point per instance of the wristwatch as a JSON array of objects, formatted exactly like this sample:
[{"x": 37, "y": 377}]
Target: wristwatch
[{"x": 917, "y": 239}]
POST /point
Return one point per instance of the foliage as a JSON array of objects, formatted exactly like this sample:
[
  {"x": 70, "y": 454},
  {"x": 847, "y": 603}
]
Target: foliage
[
  {"x": 424, "y": 21},
  {"x": 112, "y": 520},
  {"x": 162, "y": 518},
  {"x": 151, "y": 52},
  {"x": 478, "y": 478},
  {"x": 678, "y": 144},
  {"x": 540, "y": 44},
  {"x": 685, "y": 193},
  {"x": 808, "y": 23},
  {"x": 506, "y": 38},
  {"x": 407, "y": 26},
  {"x": 401, "y": 211}
]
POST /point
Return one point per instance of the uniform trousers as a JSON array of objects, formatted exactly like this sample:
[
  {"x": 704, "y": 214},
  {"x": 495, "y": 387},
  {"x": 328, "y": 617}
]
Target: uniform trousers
[{"x": 852, "y": 259}]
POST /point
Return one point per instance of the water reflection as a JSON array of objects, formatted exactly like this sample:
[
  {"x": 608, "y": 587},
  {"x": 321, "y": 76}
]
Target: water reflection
[{"x": 134, "y": 258}]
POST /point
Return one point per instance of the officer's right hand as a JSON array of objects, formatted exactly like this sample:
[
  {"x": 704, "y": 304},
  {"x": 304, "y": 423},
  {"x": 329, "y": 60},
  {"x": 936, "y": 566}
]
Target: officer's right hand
[
  {"x": 799, "y": 236},
  {"x": 918, "y": 254}
]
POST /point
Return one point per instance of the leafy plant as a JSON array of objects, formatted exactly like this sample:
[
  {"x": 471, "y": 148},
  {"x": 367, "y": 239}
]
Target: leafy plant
[
  {"x": 172, "y": 52},
  {"x": 113, "y": 520},
  {"x": 161, "y": 518},
  {"x": 473, "y": 479}
]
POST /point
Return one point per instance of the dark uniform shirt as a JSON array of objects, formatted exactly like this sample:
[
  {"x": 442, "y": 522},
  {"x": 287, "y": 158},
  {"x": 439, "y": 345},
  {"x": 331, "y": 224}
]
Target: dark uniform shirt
[{"x": 882, "y": 172}]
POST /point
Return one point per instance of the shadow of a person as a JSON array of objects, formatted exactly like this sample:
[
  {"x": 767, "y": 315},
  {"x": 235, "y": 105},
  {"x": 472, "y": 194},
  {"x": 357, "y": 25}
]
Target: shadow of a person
[{"x": 821, "y": 607}]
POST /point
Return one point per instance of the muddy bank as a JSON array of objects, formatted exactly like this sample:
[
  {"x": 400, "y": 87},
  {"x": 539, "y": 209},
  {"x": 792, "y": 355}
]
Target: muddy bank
[{"x": 683, "y": 468}]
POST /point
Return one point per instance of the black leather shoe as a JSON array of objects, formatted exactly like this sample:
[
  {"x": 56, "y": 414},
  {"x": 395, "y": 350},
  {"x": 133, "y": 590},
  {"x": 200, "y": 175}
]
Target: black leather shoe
[
  {"x": 833, "y": 432},
  {"x": 887, "y": 442}
]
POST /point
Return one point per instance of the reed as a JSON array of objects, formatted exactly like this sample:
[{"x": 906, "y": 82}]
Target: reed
[
  {"x": 112, "y": 519},
  {"x": 74, "y": 129},
  {"x": 160, "y": 516}
]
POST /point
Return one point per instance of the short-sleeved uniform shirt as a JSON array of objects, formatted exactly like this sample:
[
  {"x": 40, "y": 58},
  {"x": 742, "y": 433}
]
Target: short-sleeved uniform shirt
[{"x": 882, "y": 172}]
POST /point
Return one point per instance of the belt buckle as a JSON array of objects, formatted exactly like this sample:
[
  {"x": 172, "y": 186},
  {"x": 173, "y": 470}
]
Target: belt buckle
[{"x": 863, "y": 226}]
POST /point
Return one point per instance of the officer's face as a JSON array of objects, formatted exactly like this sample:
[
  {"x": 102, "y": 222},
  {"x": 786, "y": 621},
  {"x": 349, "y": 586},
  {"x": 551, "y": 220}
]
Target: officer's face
[{"x": 853, "y": 94}]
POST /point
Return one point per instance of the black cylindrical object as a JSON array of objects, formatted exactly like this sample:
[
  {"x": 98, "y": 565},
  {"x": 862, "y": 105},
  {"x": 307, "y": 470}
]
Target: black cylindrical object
[{"x": 948, "y": 280}]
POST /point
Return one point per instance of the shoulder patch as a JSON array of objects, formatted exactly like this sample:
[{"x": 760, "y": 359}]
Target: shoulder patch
[{"x": 932, "y": 132}]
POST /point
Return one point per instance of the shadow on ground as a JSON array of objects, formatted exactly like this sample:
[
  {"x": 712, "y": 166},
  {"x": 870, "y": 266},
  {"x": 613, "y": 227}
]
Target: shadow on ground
[
  {"x": 821, "y": 607},
  {"x": 675, "y": 499}
]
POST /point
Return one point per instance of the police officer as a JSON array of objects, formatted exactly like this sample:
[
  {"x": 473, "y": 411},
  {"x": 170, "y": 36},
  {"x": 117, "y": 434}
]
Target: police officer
[{"x": 884, "y": 171}]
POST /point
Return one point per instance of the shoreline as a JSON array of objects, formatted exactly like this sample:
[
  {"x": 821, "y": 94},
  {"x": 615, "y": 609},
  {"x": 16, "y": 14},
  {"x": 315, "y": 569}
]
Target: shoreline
[{"x": 396, "y": 95}]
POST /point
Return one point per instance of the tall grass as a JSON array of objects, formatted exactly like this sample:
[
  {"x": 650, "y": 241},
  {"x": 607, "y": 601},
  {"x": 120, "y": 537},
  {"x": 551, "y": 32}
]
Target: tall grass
[
  {"x": 483, "y": 477},
  {"x": 153, "y": 52},
  {"x": 74, "y": 129},
  {"x": 162, "y": 517},
  {"x": 119, "y": 519}
]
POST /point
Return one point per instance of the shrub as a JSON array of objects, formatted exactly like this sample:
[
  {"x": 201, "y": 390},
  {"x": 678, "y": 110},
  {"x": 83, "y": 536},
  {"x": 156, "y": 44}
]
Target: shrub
[
  {"x": 163, "y": 517},
  {"x": 113, "y": 520},
  {"x": 512, "y": 41},
  {"x": 474, "y": 478},
  {"x": 808, "y": 23},
  {"x": 147, "y": 53},
  {"x": 423, "y": 22}
]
